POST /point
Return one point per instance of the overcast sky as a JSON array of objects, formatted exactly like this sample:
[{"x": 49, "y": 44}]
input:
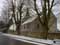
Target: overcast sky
[{"x": 56, "y": 8}]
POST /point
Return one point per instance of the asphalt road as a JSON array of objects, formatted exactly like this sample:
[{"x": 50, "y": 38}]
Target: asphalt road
[{"x": 5, "y": 40}]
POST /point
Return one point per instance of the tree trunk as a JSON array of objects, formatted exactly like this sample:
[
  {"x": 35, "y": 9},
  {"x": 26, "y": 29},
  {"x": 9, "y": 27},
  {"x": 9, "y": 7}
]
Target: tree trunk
[
  {"x": 18, "y": 27},
  {"x": 45, "y": 31}
]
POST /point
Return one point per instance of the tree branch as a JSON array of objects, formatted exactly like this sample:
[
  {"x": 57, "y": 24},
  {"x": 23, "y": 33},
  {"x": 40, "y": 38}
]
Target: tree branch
[
  {"x": 37, "y": 12},
  {"x": 20, "y": 9},
  {"x": 52, "y": 4},
  {"x": 13, "y": 9}
]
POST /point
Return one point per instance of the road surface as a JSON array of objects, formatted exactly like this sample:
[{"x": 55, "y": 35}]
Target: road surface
[{"x": 6, "y": 40}]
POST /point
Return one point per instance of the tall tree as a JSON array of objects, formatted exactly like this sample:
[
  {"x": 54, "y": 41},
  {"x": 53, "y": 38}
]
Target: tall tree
[
  {"x": 5, "y": 21},
  {"x": 46, "y": 12},
  {"x": 17, "y": 18}
]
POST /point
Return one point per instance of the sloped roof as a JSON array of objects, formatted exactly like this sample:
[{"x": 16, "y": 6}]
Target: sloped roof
[{"x": 29, "y": 20}]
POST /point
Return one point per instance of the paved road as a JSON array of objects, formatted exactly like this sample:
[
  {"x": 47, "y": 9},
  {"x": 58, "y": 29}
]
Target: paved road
[{"x": 5, "y": 40}]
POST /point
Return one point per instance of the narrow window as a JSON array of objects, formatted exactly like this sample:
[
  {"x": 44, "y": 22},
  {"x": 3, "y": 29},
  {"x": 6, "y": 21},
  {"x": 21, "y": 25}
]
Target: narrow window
[
  {"x": 24, "y": 26},
  {"x": 37, "y": 25}
]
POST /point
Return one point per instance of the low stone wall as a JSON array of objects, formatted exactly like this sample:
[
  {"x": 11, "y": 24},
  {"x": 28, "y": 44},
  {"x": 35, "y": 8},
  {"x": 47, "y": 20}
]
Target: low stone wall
[
  {"x": 54, "y": 35},
  {"x": 41, "y": 35}
]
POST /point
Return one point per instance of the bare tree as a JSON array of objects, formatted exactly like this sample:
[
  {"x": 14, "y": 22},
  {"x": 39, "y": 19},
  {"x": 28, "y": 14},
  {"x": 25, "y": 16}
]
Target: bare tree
[
  {"x": 17, "y": 18},
  {"x": 46, "y": 12},
  {"x": 5, "y": 21}
]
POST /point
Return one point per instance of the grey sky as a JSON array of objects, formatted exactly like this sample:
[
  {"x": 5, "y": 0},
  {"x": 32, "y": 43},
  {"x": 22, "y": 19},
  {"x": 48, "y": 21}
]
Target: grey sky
[{"x": 56, "y": 9}]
